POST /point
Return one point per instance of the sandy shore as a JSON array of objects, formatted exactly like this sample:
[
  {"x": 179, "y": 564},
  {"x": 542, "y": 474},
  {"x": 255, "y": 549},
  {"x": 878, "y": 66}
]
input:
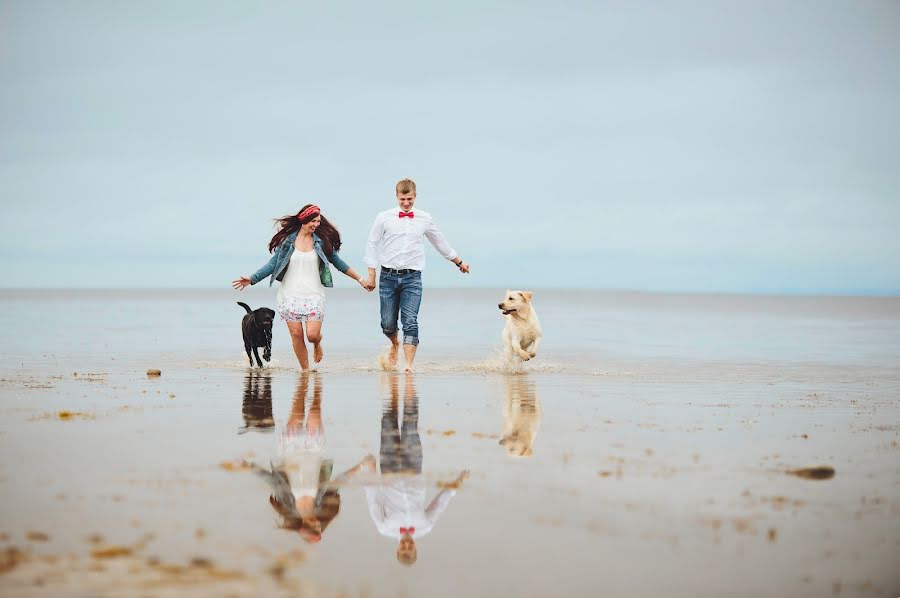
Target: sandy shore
[{"x": 630, "y": 481}]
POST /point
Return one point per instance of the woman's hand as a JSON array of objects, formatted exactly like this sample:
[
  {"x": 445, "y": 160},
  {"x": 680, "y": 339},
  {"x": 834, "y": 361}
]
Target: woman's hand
[
  {"x": 240, "y": 283},
  {"x": 364, "y": 283}
]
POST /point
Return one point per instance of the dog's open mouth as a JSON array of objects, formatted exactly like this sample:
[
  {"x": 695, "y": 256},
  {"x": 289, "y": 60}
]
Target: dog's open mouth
[{"x": 506, "y": 312}]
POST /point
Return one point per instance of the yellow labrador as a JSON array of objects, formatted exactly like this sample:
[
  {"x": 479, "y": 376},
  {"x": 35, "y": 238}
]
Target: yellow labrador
[{"x": 522, "y": 332}]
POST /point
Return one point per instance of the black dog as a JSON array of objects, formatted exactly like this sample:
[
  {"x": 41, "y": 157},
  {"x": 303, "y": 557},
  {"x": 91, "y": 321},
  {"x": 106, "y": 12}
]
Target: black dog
[{"x": 257, "y": 329}]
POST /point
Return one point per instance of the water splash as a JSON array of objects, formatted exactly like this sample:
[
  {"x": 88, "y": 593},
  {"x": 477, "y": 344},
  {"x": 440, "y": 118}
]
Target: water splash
[{"x": 494, "y": 363}]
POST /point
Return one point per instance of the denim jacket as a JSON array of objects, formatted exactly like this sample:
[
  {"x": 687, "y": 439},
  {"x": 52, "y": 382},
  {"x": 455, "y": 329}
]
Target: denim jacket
[{"x": 281, "y": 257}]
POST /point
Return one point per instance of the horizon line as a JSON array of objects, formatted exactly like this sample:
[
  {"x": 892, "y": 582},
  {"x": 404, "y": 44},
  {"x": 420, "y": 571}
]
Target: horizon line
[{"x": 837, "y": 293}]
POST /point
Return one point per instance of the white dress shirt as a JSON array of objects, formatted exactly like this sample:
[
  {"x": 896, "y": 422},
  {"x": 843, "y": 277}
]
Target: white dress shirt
[
  {"x": 396, "y": 242},
  {"x": 399, "y": 501}
]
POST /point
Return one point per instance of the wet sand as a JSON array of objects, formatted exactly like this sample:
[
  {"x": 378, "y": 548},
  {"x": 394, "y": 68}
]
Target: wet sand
[{"x": 639, "y": 480}]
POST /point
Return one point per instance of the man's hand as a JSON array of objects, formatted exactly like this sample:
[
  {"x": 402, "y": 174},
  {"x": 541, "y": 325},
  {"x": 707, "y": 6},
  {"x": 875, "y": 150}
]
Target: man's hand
[{"x": 464, "y": 267}]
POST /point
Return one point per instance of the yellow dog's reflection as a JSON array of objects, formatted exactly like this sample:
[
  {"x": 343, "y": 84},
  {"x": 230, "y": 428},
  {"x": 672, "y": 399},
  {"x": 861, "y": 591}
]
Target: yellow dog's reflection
[{"x": 521, "y": 417}]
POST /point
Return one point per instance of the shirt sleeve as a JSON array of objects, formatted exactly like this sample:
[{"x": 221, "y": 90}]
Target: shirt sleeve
[
  {"x": 340, "y": 264},
  {"x": 438, "y": 504},
  {"x": 438, "y": 240},
  {"x": 376, "y": 507},
  {"x": 266, "y": 270},
  {"x": 374, "y": 243}
]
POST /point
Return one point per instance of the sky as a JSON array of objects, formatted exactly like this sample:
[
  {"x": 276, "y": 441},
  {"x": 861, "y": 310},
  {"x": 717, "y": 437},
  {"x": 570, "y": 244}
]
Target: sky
[{"x": 682, "y": 146}]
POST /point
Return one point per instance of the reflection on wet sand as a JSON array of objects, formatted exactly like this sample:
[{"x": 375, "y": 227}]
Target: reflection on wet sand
[
  {"x": 257, "y": 404},
  {"x": 303, "y": 492},
  {"x": 521, "y": 417},
  {"x": 397, "y": 500}
]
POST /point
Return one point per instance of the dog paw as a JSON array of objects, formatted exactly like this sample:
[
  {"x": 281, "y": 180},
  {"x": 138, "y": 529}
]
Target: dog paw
[{"x": 532, "y": 353}]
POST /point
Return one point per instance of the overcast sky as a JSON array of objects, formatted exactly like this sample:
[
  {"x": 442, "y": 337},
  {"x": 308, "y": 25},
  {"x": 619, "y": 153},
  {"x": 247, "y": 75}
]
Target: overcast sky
[{"x": 681, "y": 146}]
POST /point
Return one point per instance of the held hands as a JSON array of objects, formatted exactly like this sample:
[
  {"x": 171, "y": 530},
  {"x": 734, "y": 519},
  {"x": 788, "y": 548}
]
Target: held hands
[
  {"x": 367, "y": 284},
  {"x": 241, "y": 282}
]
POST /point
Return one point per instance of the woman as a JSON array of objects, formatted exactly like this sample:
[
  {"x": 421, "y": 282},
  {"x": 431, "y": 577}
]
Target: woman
[
  {"x": 302, "y": 491},
  {"x": 301, "y": 250}
]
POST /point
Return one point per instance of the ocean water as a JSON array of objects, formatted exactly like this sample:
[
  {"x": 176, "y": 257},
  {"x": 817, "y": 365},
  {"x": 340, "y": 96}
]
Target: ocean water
[{"x": 584, "y": 331}]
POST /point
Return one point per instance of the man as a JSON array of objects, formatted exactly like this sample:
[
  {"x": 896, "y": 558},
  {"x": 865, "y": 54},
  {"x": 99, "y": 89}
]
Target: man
[{"x": 396, "y": 244}]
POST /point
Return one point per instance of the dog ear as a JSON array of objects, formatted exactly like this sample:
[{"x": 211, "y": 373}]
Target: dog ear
[{"x": 526, "y": 295}]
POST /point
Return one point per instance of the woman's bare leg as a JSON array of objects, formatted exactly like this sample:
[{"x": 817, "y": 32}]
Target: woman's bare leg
[
  {"x": 314, "y": 334},
  {"x": 299, "y": 343}
]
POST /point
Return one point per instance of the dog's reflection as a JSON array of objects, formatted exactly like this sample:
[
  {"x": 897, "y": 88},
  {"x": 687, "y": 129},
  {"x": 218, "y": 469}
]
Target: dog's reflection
[
  {"x": 257, "y": 404},
  {"x": 397, "y": 502},
  {"x": 303, "y": 492},
  {"x": 521, "y": 417}
]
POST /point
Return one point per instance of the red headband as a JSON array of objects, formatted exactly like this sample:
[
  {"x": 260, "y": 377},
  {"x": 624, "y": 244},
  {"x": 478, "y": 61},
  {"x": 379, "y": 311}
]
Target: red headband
[{"x": 308, "y": 212}]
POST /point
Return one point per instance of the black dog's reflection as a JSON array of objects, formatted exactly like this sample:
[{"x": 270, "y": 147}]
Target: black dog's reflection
[
  {"x": 397, "y": 503},
  {"x": 521, "y": 417},
  {"x": 302, "y": 491},
  {"x": 257, "y": 405}
]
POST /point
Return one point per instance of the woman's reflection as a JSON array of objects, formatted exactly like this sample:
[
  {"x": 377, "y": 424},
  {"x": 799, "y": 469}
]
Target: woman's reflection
[
  {"x": 303, "y": 493},
  {"x": 397, "y": 502},
  {"x": 257, "y": 405},
  {"x": 521, "y": 417}
]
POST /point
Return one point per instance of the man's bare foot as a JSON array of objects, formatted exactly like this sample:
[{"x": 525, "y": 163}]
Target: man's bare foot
[
  {"x": 392, "y": 354},
  {"x": 318, "y": 353}
]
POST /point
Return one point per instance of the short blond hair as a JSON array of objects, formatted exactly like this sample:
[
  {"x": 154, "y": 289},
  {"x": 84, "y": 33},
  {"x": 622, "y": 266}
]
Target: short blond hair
[
  {"x": 406, "y": 186},
  {"x": 407, "y": 558}
]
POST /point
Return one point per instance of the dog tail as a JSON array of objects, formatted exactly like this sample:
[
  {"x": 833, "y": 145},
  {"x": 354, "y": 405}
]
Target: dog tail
[{"x": 245, "y": 306}]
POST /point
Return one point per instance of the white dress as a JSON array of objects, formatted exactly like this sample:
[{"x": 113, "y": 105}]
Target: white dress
[{"x": 302, "y": 294}]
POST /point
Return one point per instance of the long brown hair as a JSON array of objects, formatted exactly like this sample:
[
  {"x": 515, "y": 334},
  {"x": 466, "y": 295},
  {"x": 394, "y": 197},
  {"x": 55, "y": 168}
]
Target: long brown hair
[
  {"x": 326, "y": 511},
  {"x": 287, "y": 225}
]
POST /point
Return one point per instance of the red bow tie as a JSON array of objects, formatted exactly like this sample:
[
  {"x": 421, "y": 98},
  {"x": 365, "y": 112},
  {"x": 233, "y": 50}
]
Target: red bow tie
[
  {"x": 406, "y": 214},
  {"x": 407, "y": 530}
]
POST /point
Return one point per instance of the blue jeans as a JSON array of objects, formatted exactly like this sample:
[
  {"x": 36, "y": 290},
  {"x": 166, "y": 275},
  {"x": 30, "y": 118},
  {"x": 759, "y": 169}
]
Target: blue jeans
[{"x": 400, "y": 295}]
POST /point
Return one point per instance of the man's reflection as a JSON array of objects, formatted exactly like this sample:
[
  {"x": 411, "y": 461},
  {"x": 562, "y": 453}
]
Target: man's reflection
[
  {"x": 257, "y": 406},
  {"x": 397, "y": 502},
  {"x": 303, "y": 493},
  {"x": 521, "y": 417}
]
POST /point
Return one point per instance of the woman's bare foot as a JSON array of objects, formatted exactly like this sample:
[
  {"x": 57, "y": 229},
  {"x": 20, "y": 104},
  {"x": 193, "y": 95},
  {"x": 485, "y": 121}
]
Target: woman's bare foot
[
  {"x": 318, "y": 353},
  {"x": 392, "y": 354}
]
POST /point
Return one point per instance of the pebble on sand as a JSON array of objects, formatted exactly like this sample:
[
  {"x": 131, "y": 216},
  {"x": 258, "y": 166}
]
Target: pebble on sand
[
  {"x": 153, "y": 373},
  {"x": 813, "y": 473}
]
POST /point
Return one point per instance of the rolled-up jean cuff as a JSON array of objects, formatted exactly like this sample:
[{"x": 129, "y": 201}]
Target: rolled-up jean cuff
[
  {"x": 410, "y": 340},
  {"x": 389, "y": 333}
]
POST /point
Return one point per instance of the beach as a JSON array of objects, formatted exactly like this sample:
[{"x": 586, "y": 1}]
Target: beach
[{"x": 659, "y": 444}]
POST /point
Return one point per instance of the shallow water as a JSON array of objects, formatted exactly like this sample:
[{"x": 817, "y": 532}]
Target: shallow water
[{"x": 645, "y": 451}]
